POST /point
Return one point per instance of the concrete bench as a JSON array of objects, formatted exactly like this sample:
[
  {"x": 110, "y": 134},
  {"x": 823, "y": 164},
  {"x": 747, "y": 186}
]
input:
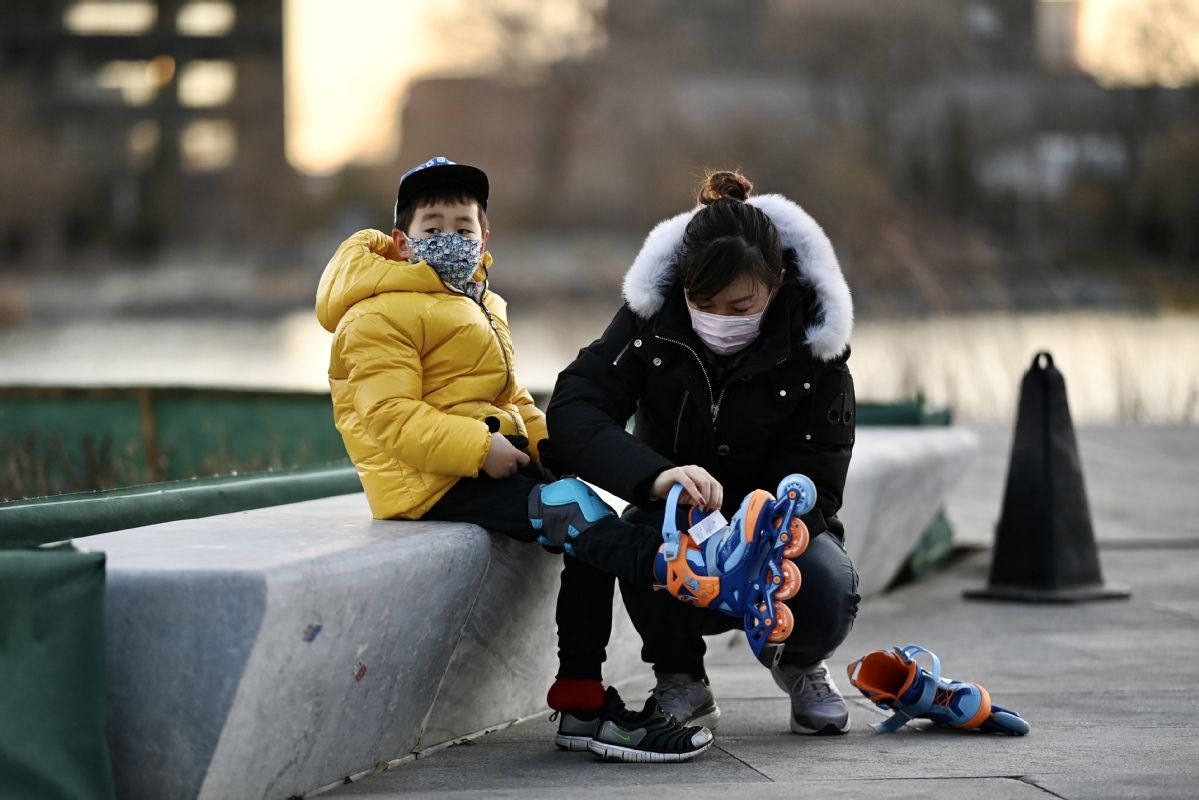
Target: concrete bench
[
  {"x": 898, "y": 480},
  {"x": 273, "y": 652}
]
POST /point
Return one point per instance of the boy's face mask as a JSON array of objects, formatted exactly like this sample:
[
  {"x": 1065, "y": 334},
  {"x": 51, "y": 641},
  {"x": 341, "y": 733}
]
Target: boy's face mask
[{"x": 454, "y": 257}]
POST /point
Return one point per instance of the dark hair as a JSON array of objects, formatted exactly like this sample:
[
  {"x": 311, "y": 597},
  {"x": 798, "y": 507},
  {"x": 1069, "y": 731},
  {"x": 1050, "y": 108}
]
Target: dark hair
[
  {"x": 728, "y": 238},
  {"x": 438, "y": 194}
]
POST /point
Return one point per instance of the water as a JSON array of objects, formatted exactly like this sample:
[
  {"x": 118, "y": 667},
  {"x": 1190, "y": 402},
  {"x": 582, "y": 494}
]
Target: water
[{"x": 1118, "y": 367}]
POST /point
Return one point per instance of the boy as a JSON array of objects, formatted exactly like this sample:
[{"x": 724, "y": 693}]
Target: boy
[{"x": 427, "y": 402}]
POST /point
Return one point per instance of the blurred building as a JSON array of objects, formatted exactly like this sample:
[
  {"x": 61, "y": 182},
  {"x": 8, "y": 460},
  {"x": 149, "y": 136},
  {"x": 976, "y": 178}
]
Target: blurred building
[
  {"x": 616, "y": 137},
  {"x": 134, "y": 126},
  {"x": 954, "y": 149}
]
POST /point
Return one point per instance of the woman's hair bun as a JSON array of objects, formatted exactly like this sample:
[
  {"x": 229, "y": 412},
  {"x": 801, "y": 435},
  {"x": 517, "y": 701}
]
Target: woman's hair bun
[{"x": 722, "y": 184}]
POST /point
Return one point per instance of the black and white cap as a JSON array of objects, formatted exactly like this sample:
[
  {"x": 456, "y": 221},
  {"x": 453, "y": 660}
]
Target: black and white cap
[{"x": 440, "y": 171}]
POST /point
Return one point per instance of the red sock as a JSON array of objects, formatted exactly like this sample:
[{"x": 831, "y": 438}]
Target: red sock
[{"x": 576, "y": 694}]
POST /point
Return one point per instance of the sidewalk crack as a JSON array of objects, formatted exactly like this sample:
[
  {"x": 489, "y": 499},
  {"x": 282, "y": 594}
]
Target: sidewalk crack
[
  {"x": 1035, "y": 785},
  {"x": 745, "y": 763}
]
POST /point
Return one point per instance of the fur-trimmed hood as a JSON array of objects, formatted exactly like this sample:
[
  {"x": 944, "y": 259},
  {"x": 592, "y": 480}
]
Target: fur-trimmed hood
[{"x": 649, "y": 279}]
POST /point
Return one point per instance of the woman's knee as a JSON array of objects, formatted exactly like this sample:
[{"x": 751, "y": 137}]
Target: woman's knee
[{"x": 827, "y": 602}]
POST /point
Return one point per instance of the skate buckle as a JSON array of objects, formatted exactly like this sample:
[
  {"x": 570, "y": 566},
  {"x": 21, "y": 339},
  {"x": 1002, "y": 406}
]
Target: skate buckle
[{"x": 670, "y": 528}]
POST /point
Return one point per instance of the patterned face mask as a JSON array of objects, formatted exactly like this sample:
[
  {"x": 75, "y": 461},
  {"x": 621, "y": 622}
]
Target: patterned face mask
[{"x": 455, "y": 258}]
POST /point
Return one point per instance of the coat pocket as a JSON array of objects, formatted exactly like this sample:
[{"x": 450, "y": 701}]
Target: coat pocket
[{"x": 834, "y": 409}]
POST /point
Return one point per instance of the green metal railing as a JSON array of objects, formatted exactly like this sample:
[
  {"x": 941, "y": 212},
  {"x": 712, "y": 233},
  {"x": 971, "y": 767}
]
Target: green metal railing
[{"x": 69, "y": 516}]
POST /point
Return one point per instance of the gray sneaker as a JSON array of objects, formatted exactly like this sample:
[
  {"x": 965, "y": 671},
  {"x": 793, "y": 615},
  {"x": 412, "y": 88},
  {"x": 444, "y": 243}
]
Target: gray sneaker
[
  {"x": 647, "y": 736},
  {"x": 575, "y": 729},
  {"x": 817, "y": 707},
  {"x": 687, "y": 700}
]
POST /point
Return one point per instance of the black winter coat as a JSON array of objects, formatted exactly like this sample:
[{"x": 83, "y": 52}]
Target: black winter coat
[{"x": 777, "y": 409}]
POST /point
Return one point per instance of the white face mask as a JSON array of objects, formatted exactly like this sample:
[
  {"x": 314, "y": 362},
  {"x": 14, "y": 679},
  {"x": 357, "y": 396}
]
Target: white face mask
[{"x": 726, "y": 335}]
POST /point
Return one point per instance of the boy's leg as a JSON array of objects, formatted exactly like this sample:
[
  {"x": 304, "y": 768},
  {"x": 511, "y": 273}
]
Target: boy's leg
[
  {"x": 504, "y": 506},
  {"x": 584, "y": 617},
  {"x": 607, "y": 547},
  {"x": 570, "y": 515},
  {"x": 494, "y": 504},
  {"x": 584, "y": 609},
  {"x": 672, "y": 641},
  {"x": 671, "y": 636}
]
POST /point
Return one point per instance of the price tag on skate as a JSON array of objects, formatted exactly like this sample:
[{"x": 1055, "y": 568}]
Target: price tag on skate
[{"x": 710, "y": 525}]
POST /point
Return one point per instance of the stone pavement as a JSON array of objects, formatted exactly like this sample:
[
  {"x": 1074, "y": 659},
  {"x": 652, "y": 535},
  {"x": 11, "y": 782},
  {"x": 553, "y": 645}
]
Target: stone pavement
[{"x": 1107, "y": 687}]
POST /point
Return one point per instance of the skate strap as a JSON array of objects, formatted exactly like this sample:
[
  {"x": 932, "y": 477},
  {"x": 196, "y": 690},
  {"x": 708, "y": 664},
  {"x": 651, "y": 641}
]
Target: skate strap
[
  {"x": 670, "y": 528},
  {"x": 905, "y": 713}
]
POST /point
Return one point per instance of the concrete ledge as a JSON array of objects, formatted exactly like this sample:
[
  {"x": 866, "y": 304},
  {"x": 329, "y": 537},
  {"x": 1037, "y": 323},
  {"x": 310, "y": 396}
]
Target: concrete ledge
[
  {"x": 899, "y": 478},
  {"x": 276, "y": 651},
  {"x": 273, "y": 652}
]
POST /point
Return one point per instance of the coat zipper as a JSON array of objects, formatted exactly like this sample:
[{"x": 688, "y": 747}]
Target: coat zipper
[
  {"x": 678, "y": 426},
  {"x": 500, "y": 341},
  {"x": 494, "y": 329},
  {"x": 714, "y": 400},
  {"x": 620, "y": 355}
]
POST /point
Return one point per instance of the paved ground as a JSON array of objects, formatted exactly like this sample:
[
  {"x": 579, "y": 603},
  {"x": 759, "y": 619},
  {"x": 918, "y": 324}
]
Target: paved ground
[{"x": 1107, "y": 687}]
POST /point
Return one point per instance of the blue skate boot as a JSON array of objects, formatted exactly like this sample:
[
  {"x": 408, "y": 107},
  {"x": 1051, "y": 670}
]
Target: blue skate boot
[
  {"x": 744, "y": 570},
  {"x": 563, "y": 509},
  {"x": 892, "y": 680}
]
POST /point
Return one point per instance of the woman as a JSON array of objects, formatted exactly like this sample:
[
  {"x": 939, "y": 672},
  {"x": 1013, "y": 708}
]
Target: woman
[{"x": 730, "y": 352}]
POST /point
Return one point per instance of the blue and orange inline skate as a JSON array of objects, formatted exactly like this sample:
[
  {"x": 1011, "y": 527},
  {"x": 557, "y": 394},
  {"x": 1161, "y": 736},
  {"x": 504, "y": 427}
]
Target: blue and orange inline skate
[
  {"x": 893, "y": 681},
  {"x": 745, "y": 569}
]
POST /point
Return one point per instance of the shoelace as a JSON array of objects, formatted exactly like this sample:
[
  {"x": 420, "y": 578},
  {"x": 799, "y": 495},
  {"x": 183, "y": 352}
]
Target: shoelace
[
  {"x": 813, "y": 687},
  {"x": 669, "y": 691}
]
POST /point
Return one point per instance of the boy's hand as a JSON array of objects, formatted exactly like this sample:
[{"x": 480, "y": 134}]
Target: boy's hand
[
  {"x": 699, "y": 487},
  {"x": 503, "y": 460}
]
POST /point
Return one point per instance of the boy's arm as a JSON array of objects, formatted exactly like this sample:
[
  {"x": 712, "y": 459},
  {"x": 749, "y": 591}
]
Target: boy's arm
[
  {"x": 385, "y": 384},
  {"x": 533, "y": 417}
]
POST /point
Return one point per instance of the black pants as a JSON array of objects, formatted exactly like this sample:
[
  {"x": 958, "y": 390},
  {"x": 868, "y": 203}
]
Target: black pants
[
  {"x": 672, "y": 632},
  {"x": 611, "y": 548}
]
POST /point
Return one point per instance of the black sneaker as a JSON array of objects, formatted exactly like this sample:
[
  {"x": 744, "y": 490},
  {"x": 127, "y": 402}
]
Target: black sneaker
[
  {"x": 647, "y": 735},
  {"x": 576, "y": 729}
]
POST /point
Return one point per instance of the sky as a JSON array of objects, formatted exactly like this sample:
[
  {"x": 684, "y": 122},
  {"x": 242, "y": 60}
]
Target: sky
[
  {"x": 350, "y": 62},
  {"x": 347, "y": 68}
]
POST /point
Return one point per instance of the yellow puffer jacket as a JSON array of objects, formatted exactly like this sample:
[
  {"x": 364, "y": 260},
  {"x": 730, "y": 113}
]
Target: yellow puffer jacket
[{"x": 415, "y": 370}]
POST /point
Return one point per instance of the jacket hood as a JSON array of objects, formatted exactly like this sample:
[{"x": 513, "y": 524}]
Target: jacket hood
[
  {"x": 368, "y": 264},
  {"x": 648, "y": 281}
]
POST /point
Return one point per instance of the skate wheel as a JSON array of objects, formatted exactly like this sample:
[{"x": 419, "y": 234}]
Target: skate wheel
[
  {"x": 1004, "y": 721},
  {"x": 790, "y": 583},
  {"x": 782, "y": 625},
  {"x": 796, "y": 538}
]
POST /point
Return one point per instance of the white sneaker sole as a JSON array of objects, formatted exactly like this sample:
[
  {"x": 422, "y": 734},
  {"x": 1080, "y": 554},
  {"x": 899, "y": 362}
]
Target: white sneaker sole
[
  {"x": 615, "y": 752},
  {"x": 572, "y": 743},
  {"x": 708, "y": 720},
  {"x": 829, "y": 729}
]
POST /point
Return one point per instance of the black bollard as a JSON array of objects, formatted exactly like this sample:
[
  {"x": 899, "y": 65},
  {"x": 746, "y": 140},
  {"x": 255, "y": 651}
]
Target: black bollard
[{"x": 1044, "y": 544}]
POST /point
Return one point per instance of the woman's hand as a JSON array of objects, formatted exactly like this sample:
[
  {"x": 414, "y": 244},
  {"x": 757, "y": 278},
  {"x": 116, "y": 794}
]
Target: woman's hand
[
  {"x": 503, "y": 460},
  {"x": 699, "y": 487}
]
